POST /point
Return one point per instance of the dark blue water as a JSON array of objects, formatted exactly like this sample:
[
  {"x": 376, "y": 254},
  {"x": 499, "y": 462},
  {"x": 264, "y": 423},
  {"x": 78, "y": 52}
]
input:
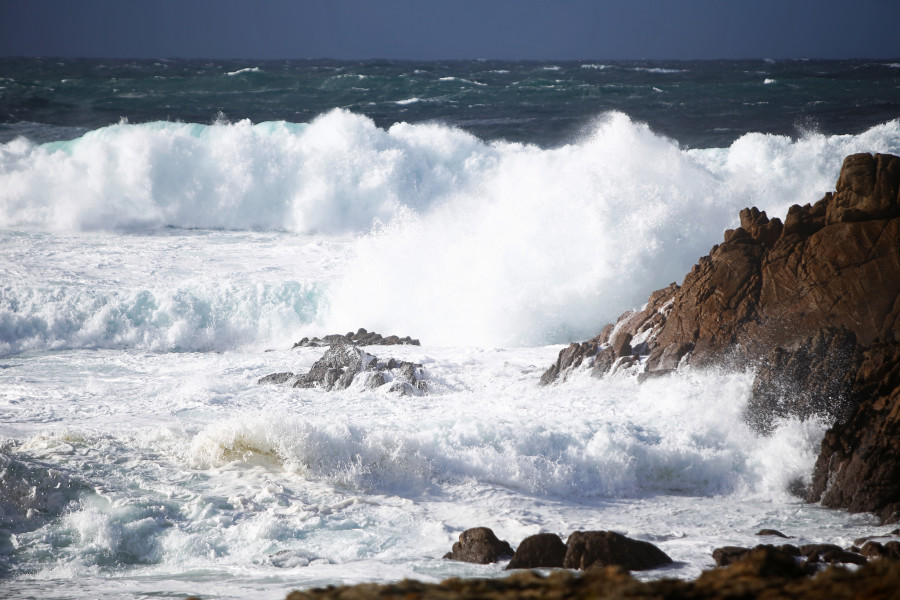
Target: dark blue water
[{"x": 700, "y": 104}]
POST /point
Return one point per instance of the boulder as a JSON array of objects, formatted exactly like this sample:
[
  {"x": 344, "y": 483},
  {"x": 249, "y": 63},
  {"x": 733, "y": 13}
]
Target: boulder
[
  {"x": 343, "y": 362},
  {"x": 592, "y": 549},
  {"x": 479, "y": 545},
  {"x": 540, "y": 551}
]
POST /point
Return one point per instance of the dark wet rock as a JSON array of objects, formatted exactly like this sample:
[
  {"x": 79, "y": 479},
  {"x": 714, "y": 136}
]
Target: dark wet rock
[
  {"x": 726, "y": 555},
  {"x": 760, "y": 575},
  {"x": 361, "y": 338},
  {"x": 275, "y": 378},
  {"x": 479, "y": 545},
  {"x": 343, "y": 361},
  {"x": 592, "y": 549},
  {"x": 830, "y": 553},
  {"x": 772, "y": 532},
  {"x": 813, "y": 379},
  {"x": 873, "y": 549},
  {"x": 858, "y": 467},
  {"x": 540, "y": 551}
]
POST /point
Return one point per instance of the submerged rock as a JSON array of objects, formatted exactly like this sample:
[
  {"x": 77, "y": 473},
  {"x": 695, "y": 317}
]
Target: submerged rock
[
  {"x": 479, "y": 545},
  {"x": 343, "y": 362}
]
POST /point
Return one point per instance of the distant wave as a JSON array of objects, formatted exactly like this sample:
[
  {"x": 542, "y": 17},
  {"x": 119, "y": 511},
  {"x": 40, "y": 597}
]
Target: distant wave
[{"x": 243, "y": 71}]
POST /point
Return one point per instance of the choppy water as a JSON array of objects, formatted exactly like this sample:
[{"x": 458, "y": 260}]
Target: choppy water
[{"x": 147, "y": 267}]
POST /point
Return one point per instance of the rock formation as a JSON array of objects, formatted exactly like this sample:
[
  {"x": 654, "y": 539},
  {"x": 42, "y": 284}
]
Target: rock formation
[
  {"x": 539, "y": 551},
  {"x": 479, "y": 545},
  {"x": 593, "y": 549},
  {"x": 360, "y": 338},
  {"x": 343, "y": 362},
  {"x": 815, "y": 301},
  {"x": 762, "y": 573}
]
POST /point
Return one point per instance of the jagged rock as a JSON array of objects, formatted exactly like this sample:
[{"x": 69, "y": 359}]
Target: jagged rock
[
  {"x": 764, "y": 294},
  {"x": 540, "y": 551},
  {"x": 344, "y": 361},
  {"x": 858, "y": 467},
  {"x": 815, "y": 378},
  {"x": 276, "y": 378},
  {"x": 632, "y": 334},
  {"x": 360, "y": 338},
  {"x": 337, "y": 368},
  {"x": 592, "y": 549},
  {"x": 479, "y": 545},
  {"x": 834, "y": 263}
]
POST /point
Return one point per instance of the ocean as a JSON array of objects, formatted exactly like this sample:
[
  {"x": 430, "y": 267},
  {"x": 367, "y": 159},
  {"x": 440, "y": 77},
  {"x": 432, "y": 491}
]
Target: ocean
[{"x": 170, "y": 228}]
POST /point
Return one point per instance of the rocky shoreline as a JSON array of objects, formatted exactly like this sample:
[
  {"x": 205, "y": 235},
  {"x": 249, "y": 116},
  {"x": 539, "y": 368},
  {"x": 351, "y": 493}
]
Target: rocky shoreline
[{"x": 813, "y": 305}]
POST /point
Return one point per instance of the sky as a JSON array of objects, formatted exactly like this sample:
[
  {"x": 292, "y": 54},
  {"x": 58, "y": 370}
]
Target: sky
[{"x": 451, "y": 29}]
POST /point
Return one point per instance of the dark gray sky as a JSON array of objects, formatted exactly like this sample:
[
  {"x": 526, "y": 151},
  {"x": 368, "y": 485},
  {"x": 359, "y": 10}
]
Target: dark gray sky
[{"x": 428, "y": 29}]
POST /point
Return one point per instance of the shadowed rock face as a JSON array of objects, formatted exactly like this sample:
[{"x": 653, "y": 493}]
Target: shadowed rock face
[{"x": 815, "y": 301}]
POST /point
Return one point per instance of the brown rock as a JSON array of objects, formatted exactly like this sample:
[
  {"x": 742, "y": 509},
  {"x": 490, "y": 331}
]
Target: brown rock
[
  {"x": 592, "y": 549},
  {"x": 858, "y": 467},
  {"x": 479, "y": 545},
  {"x": 765, "y": 294},
  {"x": 772, "y": 532},
  {"x": 764, "y": 574},
  {"x": 540, "y": 551}
]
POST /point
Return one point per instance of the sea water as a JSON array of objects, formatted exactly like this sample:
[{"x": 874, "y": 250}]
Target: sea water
[{"x": 153, "y": 269}]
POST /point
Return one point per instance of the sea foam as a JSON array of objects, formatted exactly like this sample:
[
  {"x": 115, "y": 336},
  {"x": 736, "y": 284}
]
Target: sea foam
[{"x": 460, "y": 241}]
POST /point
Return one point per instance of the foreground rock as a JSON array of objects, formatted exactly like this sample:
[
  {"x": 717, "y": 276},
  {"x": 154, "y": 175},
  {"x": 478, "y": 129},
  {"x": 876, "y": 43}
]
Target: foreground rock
[
  {"x": 815, "y": 301},
  {"x": 594, "y": 549},
  {"x": 344, "y": 362},
  {"x": 479, "y": 545},
  {"x": 360, "y": 338},
  {"x": 540, "y": 551},
  {"x": 760, "y": 574}
]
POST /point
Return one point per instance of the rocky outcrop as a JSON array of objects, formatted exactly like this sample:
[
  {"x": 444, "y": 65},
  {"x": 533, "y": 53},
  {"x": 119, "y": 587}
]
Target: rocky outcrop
[
  {"x": 771, "y": 284},
  {"x": 360, "y": 338},
  {"x": 540, "y": 551},
  {"x": 343, "y": 362},
  {"x": 593, "y": 549},
  {"x": 762, "y": 573},
  {"x": 858, "y": 467},
  {"x": 815, "y": 302},
  {"x": 479, "y": 545}
]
